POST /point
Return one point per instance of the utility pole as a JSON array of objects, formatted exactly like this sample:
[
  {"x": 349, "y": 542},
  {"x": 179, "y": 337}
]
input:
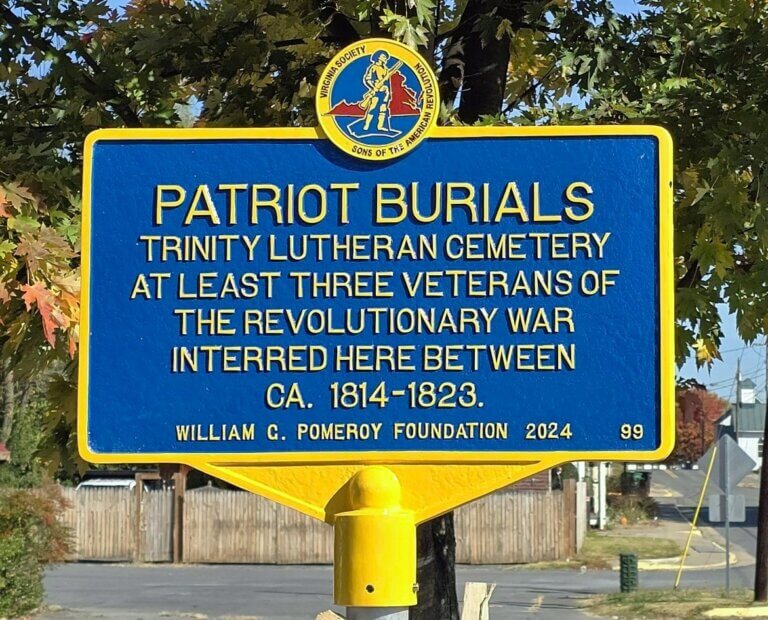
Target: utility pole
[
  {"x": 737, "y": 410},
  {"x": 727, "y": 510},
  {"x": 761, "y": 562},
  {"x": 602, "y": 517},
  {"x": 727, "y": 489}
]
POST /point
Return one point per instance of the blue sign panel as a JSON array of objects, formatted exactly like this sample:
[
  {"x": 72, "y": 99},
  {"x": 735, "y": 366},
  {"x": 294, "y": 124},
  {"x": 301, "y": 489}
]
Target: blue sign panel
[{"x": 496, "y": 292}]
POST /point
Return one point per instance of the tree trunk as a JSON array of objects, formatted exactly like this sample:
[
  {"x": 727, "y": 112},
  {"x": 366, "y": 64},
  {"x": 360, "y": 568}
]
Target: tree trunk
[
  {"x": 487, "y": 58},
  {"x": 336, "y": 24},
  {"x": 436, "y": 572},
  {"x": 9, "y": 403},
  {"x": 474, "y": 68},
  {"x": 475, "y": 63},
  {"x": 761, "y": 555}
]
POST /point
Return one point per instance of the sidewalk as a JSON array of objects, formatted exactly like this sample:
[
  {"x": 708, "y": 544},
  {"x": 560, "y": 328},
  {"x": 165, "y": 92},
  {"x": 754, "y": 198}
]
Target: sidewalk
[{"x": 707, "y": 550}]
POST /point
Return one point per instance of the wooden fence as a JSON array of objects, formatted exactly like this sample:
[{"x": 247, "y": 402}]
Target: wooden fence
[
  {"x": 507, "y": 527},
  {"x": 102, "y": 522},
  {"x": 516, "y": 527}
]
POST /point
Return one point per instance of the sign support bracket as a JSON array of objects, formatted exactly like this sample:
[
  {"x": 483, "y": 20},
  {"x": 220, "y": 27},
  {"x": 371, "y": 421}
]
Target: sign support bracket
[{"x": 375, "y": 547}]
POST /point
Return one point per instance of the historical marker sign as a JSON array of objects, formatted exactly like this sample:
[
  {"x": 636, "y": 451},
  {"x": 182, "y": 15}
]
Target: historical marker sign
[
  {"x": 495, "y": 294},
  {"x": 377, "y": 320}
]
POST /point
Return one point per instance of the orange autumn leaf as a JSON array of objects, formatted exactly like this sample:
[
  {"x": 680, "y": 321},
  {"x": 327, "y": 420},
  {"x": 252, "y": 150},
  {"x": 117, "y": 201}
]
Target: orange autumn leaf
[
  {"x": 69, "y": 285},
  {"x": 37, "y": 294},
  {"x": 17, "y": 195},
  {"x": 67, "y": 291},
  {"x": 4, "y": 204},
  {"x": 72, "y": 341},
  {"x": 44, "y": 248}
]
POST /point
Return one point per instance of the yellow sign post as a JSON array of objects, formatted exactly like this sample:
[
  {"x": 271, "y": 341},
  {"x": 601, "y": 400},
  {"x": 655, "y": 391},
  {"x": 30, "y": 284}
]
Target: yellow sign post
[{"x": 379, "y": 320}]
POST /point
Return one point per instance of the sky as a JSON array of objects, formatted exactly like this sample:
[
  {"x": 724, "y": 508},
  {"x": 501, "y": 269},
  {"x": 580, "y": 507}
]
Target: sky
[{"x": 721, "y": 378}]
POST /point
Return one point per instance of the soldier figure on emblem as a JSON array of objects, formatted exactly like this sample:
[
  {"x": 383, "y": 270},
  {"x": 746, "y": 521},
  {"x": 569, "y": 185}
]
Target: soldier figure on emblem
[{"x": 376, "y": 100}]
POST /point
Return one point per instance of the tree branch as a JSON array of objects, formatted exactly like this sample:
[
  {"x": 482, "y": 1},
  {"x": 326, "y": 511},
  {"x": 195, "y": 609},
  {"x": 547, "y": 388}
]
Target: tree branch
[
  {"x": 290, "y": 42},
  {"x": 692, "y": 276},
  {"x": 533, "y": 86},
  {"x": 433, "y": 40},
  {"x": 452, "y": 70},
  {"x": 337, "y": 25},
  {"x": 452, "y": 31}
]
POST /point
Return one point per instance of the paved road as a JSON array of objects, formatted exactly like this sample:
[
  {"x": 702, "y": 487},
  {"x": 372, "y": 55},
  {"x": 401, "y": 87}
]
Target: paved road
[
  {"x": 688, "y": 484},
  {"x": 126, "y": 592}
]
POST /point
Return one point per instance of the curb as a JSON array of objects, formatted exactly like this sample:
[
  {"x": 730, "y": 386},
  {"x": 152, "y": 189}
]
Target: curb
[
  {"x": 674, "y": 563},
  {"x": 737, "y": 612}
]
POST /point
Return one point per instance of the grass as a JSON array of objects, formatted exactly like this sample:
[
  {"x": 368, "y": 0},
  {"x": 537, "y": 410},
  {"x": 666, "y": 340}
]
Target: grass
[
  {"x": 599, "y": 550},
  {"x": 667, "y": 604},
  {"x": 601, "y": 547}
]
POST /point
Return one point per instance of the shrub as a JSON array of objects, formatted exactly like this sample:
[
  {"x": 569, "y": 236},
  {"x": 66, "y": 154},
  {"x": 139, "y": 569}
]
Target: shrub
[
  {"x": 21, "y": 579},
  {"x": 613, "y": 483},
  {"x": 25, "y": 469},
  {"x": 30, "y": 537},
  {"x": 633, "y": 508}
]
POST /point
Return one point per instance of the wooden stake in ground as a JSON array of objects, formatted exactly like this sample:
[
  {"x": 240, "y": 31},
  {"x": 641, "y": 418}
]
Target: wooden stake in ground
[
  {"x": 477, "y": 597},
  {"x": 761, "y": 561}
]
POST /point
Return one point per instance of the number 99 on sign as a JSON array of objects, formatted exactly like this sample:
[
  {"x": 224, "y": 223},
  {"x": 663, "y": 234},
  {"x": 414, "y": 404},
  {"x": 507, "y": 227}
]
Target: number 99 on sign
[{"x": 631, "y": 431}]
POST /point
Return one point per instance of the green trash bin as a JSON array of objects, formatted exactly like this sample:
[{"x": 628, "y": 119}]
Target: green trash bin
[
  {"x": 635, "y": 483},
  {"x": 628, "y": 573}
]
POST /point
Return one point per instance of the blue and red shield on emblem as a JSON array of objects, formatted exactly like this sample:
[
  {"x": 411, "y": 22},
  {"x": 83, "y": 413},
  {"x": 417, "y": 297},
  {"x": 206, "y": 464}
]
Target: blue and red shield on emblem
[{"x": 376, "y": 99}]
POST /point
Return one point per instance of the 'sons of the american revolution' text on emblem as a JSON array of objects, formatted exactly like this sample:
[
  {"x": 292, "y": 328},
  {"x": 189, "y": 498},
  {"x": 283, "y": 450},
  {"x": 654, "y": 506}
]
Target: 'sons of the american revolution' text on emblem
[{"x": 377, "y": 99}]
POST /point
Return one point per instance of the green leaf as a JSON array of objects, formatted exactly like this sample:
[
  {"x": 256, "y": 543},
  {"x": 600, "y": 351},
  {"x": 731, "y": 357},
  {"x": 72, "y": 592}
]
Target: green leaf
[{"x": 425, "y": 12}]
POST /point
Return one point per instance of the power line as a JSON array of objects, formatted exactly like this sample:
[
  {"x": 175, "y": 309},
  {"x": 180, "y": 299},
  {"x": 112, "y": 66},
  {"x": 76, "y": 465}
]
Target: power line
[
  {"x": 720, "y": 391},
  {"x": 723, "y": 382},
  {"x": 756, "y": 345}
]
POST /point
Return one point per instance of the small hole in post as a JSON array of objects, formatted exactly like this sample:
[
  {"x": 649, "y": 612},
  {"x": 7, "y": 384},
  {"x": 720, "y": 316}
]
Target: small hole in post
[{"x": 369, "y": 588}]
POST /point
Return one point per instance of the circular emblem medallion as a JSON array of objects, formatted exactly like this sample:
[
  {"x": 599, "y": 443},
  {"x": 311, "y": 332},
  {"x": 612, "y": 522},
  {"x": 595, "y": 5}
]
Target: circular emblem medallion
[{"x": 377, "y": 99}]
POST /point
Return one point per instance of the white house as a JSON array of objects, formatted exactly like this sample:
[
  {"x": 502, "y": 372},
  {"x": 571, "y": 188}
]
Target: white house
[{"x": 748, "y": 419}]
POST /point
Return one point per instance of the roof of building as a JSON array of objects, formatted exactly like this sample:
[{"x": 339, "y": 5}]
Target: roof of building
[
  {"x": 208, "y": 488},
  {"x": 5, "y": 453},
  {"x": 128, "y": 474},
  {"x": 748, "y": 383}
]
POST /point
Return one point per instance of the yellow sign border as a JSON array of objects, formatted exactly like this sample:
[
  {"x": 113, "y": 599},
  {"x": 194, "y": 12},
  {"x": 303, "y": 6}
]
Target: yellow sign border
[{"x": 204, "y": 460}]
